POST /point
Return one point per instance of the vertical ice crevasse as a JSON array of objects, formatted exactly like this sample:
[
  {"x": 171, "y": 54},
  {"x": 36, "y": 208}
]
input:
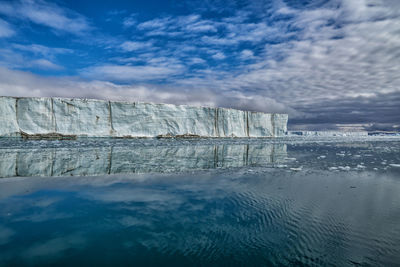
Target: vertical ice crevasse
[
  {"x": 247, "y": 124},
  {"x": 16, "y": 114},
  {"x": 53, "y": 116},
  {"x": 216, "y": 123},
  {"x": 110, "y": 118},
  {"x": 273, "y": 124}
]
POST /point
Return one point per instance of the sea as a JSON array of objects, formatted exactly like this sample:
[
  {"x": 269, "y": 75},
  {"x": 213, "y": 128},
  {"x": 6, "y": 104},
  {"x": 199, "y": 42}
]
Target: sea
[{"x": 290, "y": 201}]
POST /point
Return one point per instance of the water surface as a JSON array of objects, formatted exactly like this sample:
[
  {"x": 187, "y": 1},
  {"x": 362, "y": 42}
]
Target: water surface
[{"x": 200, "y": 202}]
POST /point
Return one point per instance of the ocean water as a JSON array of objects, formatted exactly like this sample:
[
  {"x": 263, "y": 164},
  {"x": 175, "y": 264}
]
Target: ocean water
[{"x": 209, "y": 202}]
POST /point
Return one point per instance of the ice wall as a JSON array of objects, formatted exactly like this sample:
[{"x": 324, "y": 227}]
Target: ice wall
[{"x": 99, "y": 118}]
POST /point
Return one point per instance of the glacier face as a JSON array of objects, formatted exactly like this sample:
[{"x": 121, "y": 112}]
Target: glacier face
[
  {"x": 8, "y": 117},
  {"x": 100, "y": 118}
]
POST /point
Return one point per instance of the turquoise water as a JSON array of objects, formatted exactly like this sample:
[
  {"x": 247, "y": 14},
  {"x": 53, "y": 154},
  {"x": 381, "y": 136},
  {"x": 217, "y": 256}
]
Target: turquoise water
[{"x": 200, "y": 202}]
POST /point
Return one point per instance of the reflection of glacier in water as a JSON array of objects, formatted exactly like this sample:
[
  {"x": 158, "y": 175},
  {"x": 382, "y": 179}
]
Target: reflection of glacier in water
[{"x": 102, "y": 160}]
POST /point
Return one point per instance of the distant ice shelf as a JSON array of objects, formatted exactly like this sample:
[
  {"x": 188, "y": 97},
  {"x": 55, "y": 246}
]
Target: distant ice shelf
[
  {"x": 70, "y": 118},
  {"x": 328, "y": 133}
]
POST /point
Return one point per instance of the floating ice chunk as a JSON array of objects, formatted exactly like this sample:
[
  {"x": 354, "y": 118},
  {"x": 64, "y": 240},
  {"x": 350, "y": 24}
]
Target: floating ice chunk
[
  {"x": 395, "y": 165},
  {"x": 333, "y": 168},
  {"x": 281, "y": 166},
  {"x": 322, "y": 157},
  {"x": 297, "y": 169},
  {"x": 345, "y": 168},
  {"x": 290, "y": 159},
  {"x": 360, "y": 166}
]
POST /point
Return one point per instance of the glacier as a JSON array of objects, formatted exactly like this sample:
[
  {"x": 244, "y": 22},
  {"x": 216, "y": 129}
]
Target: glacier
[{"x": 62, "y": 117}]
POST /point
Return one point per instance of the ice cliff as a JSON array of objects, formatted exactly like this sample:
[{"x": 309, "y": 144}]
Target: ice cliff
[{"x": 43, "y": 117}]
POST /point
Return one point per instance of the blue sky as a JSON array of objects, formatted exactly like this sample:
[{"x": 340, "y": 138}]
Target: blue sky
[{"x": 326, "y": 63}]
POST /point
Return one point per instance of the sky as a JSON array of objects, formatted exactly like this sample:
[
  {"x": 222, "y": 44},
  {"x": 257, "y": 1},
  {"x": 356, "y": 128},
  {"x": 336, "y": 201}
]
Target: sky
[{"x": 329, "y": 64}]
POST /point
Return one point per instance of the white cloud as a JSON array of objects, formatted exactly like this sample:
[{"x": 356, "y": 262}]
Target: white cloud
[
  {"x": 159, "y": 23},
  {"x": 175, "y": 26},
  {"x": 197, "y": 60},
  {"x": 6, "y": 30},
  {"x": 247, "y": 54},
  {"x": 361, "y": 62},
  {"x": 45, "y": 64},
  {"x": 132, "y": 46},
  {"x": 12, "y": 59},
  {"x": 218, "y": 40},
  {"x": 48, "y": 14},
  {"x": 42, "y": 50},
  {"x": 219, "y": 56},
  {"x": 201, "y": 26},
  {"x": 126, "y": 73},
  {"x": 32, "y": 56},
  {"x": 129, "y": 21}
]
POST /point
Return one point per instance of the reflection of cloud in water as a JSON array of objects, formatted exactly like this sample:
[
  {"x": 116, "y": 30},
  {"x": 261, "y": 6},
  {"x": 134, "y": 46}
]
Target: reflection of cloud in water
[
  {"x": 77, "y": 161},
  {"x": 41, "y": 207},
  {"x": 128, "y": 221},
  {"x": 131, "y": 194},
  {"x": 206, "y": 216},
  {"x": 43, "y": 216},
  {"x": 54, "y": 247},
  {"x": 5, "y": 234}
]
